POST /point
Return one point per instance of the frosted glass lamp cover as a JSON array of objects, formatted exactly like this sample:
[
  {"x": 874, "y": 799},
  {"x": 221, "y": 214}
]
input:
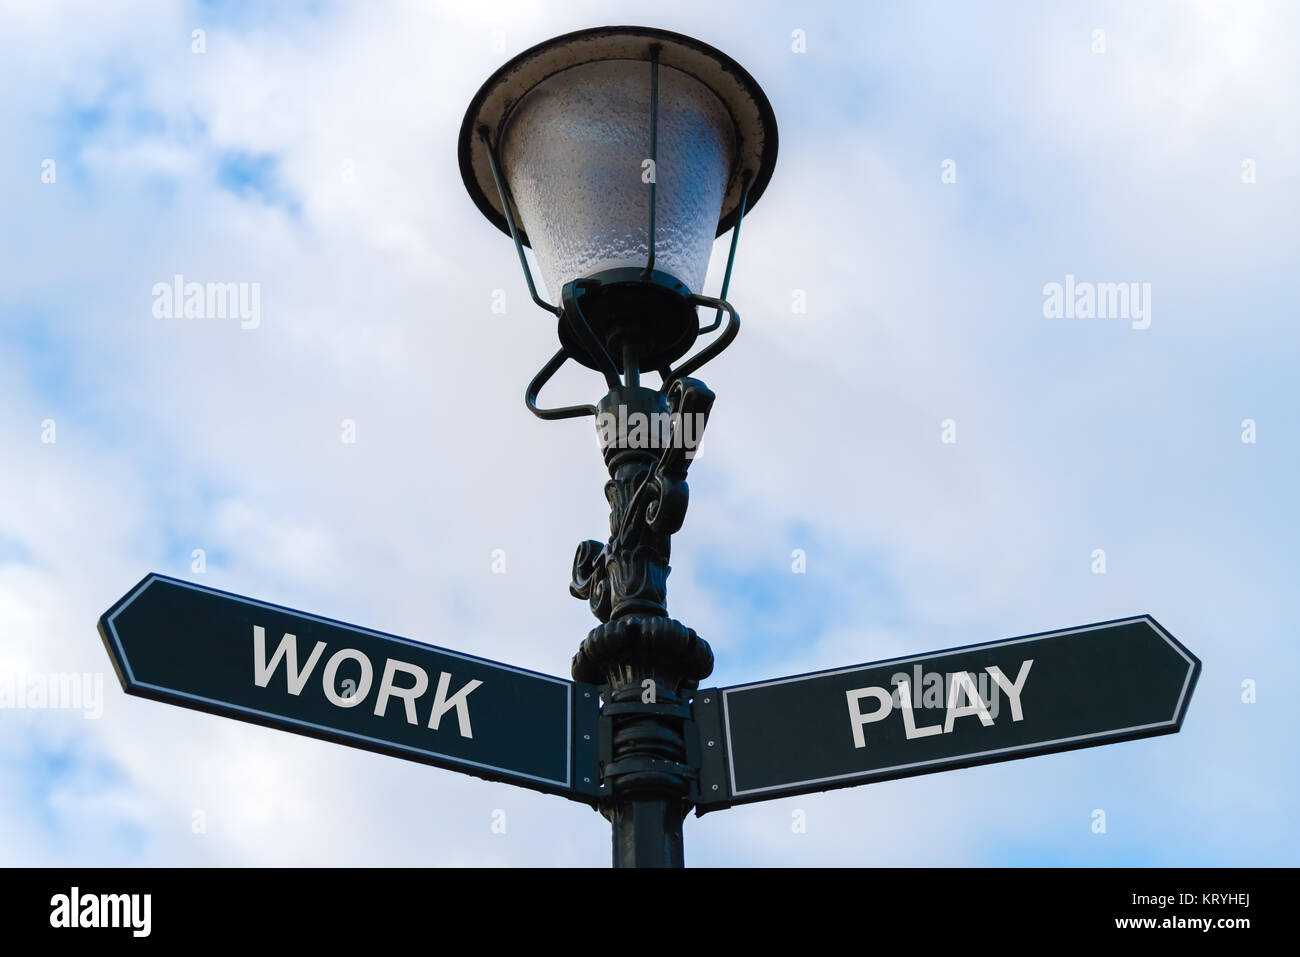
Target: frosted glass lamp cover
[
  {"x": 570, "y": 121},
  {"x": 575, "y": 153}
]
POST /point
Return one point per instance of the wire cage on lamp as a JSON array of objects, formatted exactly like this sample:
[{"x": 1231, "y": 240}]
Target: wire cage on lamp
[{"x": 618, "y": 154}]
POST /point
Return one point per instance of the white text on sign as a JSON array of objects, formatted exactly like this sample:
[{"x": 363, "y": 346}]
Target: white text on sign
[
  {"x": 416, "y": 680},
  {"x": 964, "y": 700}
]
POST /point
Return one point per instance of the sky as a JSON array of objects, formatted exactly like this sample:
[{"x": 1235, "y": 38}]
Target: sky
[{"x": 940, "y": 166}]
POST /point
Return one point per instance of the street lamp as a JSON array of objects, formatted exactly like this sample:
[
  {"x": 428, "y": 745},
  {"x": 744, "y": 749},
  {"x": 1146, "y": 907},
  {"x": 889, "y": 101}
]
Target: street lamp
[
  {"x": 618, "y": 154},
  {"x": 623, "y": 152}
]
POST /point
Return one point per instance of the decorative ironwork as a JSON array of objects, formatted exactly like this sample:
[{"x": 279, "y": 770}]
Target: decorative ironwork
[{"x": 647, "y": 494}]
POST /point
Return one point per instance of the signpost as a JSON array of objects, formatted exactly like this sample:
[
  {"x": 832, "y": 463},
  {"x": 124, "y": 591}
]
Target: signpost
[
  {"x": 241, "y": 658},
  {"x": 1008, "y": 699},
  {"x": 633, "y": 736},
  {"x": 206, "y": 649}
]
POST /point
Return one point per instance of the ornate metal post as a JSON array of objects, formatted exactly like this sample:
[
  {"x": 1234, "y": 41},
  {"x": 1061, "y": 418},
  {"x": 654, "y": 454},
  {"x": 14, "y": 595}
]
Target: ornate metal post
[
  {"x": 649, "y": 662},
  {"x": 553, "y": 141}
]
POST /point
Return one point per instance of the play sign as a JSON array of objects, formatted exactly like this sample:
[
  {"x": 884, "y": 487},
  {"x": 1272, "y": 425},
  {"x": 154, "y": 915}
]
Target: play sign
[
  {"x": 1037, "y": 694},
  {"x": 210, "y": 650}
]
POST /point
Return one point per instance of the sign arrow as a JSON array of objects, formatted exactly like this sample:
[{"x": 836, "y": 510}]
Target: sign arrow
[
  {"x": 1055, "y": 691},
  {"x": 201, "y": 648}
]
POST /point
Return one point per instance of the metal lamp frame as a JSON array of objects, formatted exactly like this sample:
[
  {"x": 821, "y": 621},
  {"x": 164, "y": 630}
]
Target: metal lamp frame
[{"x": 570, "y": 310}]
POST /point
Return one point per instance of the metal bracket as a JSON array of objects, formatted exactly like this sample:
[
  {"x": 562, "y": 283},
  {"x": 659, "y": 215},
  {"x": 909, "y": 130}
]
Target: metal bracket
[
  {"x": 586, "y": 731},
  {"x": 611, "y": 769},
  {"x": 510, "y": 221},
  {"x": 667, "y": 709},
  {"x": 543, "y": 377},
  {"x": 712, "y": 349},
  {"x": 654, "y": 155},
  {"x": 580, "y": 327},
  {"x": 616, "y": 769},
  {"x": 712, "y": 792},
  {"x": 731, "y": 253}
]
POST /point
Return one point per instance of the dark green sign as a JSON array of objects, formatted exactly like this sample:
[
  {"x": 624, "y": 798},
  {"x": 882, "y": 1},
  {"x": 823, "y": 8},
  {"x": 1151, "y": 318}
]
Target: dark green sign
[
  {"x": 1055, "y": 691},
  {"x": 210, "y": 650}
]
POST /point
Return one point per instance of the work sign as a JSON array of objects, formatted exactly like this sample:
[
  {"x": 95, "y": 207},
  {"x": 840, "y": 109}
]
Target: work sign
[{"x": 206, "y": 649}]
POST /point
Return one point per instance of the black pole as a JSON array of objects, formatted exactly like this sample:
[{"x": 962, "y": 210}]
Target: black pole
[
  {"x": 631, "y": 364},
  {"x": 648, "y": 663},
  {"x": 648, "y": 834}
]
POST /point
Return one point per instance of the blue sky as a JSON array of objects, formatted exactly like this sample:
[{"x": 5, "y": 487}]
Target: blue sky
[{"x": 312, "y": 150}]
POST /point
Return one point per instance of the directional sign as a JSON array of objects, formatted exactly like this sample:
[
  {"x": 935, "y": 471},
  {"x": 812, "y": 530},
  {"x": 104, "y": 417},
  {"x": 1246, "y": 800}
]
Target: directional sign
[
  {"x": 1048, "y": 692},
  {"x": 246, "y": 659}
]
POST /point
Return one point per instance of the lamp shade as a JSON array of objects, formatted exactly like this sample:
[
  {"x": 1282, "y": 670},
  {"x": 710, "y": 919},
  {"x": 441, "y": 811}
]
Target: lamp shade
[
  {"x": 575, "y": 154},
  {"x": 571, "y": 122}
]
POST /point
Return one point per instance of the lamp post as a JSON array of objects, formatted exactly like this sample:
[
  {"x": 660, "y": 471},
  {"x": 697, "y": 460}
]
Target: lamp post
[{"x": 618, "y": 154}]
